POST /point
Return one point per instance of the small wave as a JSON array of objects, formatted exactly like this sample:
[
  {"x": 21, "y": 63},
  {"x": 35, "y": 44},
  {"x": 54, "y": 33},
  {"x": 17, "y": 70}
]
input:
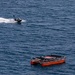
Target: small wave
[{"x": 10, "y": 20}]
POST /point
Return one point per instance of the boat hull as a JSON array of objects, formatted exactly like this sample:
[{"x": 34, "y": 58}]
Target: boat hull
[
  {"x": 44, "y": 64},
  {"x": 48, "y": 60}
]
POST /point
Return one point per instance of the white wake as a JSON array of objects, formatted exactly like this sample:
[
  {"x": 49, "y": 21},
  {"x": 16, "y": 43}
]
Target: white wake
[{"x": 10, "y": 20}]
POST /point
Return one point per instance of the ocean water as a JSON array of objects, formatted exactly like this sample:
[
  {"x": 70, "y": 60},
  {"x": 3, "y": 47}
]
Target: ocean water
[{"x": 48, "y": 27}]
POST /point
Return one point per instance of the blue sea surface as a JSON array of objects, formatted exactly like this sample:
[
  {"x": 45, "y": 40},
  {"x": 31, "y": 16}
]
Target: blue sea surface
[{"x": 49, "y": 28}]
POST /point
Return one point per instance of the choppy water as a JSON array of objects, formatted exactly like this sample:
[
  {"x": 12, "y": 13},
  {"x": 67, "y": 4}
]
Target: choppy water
[{"x": 49, "y": 28}]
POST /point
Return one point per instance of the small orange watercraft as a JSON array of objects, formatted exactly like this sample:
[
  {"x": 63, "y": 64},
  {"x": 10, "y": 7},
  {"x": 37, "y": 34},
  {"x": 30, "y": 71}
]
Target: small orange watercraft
[{"x": 48, "y": 60}]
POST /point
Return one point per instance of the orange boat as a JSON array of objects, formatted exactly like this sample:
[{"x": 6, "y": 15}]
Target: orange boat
[{"x": 48, "y": 60}]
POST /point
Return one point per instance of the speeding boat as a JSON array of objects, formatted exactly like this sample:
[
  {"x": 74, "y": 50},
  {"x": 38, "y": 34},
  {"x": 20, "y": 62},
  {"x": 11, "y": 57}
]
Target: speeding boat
[
  {"x": 18, "y": 20},
  {"x": 48, "y": 60}
]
